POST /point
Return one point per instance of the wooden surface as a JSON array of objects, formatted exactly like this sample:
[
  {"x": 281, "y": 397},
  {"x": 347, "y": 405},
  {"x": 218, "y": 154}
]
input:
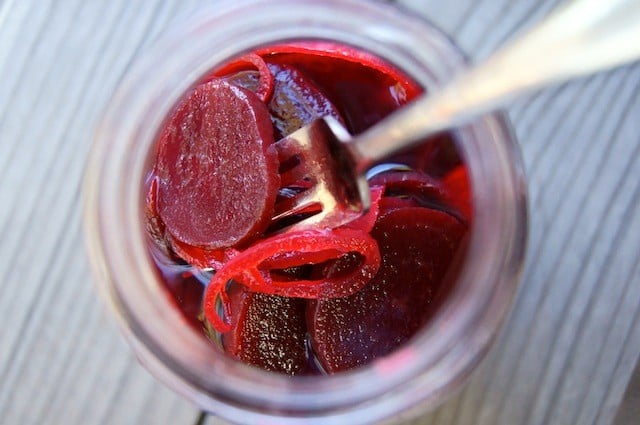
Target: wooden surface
[{"x": 565, "y": 356}]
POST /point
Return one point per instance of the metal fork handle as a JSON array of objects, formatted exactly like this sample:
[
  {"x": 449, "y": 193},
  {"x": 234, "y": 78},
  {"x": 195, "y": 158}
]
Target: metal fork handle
[{"x": 580, "y": 38}]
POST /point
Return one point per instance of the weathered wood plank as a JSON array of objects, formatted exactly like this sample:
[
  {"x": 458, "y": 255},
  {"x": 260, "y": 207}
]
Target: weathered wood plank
[{"x": 62, "y": 361}]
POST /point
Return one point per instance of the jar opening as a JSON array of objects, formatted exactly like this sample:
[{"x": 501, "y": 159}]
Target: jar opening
[{"x": 313, "y": 313}]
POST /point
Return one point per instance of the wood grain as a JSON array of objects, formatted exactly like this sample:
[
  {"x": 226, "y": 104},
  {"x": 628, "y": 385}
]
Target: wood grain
[
  {"x": 565, "y": 355},
  {"x": 62, "y": 361}
]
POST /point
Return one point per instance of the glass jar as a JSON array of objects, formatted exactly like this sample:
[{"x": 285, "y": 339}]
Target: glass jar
[{"x": 414, "y": 377}]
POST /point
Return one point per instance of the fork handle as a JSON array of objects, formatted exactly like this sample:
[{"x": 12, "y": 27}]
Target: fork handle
[{"x": 580, "y": 38}]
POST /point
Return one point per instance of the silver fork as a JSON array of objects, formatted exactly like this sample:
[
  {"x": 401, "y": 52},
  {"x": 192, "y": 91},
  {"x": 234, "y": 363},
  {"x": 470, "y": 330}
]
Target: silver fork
[{"x": 580, "y": 38}]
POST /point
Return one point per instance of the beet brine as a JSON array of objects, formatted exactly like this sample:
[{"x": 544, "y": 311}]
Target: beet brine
[{"x": 312, "y": 301}]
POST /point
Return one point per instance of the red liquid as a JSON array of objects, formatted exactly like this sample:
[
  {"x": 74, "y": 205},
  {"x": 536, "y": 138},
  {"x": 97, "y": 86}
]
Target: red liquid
[{"x": 349, "y": 304}]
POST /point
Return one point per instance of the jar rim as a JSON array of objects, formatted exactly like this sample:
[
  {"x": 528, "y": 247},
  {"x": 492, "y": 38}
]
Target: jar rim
[{"x": 113, "y": 190}]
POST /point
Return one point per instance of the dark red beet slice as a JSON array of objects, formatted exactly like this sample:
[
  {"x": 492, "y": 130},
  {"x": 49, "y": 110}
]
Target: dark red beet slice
[
  {"x": 391, "y": 203},
  {"x": 368, "y": 88},
  {"x": 217, "y": 175},
  {"x": 437, "y": 155},
  {"x": 417, "y": 247},
  {"x": 424, "y": 190},
  {"x": 240, "y": 73},
  {"x": 201, "y": 258},
  {"x": 459, "y": 191},
  {"x": 337, "y": 53},
  {"x": 269, "y": 331},
  {"x": 368, "y": 219},
  {"x": 296, "y": 101},
  {"x": 186, "y": 292},
  {"x": 153, "y": 224}
]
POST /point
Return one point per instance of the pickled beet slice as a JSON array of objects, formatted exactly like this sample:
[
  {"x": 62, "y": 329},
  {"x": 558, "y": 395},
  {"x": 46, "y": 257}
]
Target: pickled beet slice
[
  {"x": 417, "y": 247},
  {"x": 340, "y": 53},
  {"x": 269, "y": 331},
  {"x": 367, "y": 90},
  {"x": 217, "y": 174},
  {"x": 436, "y": 155},
  {"x": 417, "y": 186},
  {"x": 153, "y": 224},
  {"x": 186, "y": 292},
  {"x": 296, "y": 101},
  {"x": 240, "y": 73},
  {"x": 201, "y": 258},
  {"x": 459, "y": 191},
  {"x": 367, "y": 220}
]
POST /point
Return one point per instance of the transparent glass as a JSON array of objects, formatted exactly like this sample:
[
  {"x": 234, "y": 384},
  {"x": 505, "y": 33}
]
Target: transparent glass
[{"x": 413, "y": 378}]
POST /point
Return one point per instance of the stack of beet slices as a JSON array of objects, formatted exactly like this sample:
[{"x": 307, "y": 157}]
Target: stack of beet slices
[{"x": 312, "y": 301}]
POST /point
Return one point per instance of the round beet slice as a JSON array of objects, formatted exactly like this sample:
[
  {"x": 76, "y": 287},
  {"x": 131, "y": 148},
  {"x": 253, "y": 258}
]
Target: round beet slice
[
  {"x": 296, "y": 101},
  {"x": 459, "y": 191},
  {"x": 426, "y": 191},
  {"x": 364, "y": 88},
  {"x": 416, "y": 185},
  {"x": 240, "y": 73},
  {"x": 269, "y": 331},
  {"x": 217, "y": 174},
  {"x": 417, "y": 246}
]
